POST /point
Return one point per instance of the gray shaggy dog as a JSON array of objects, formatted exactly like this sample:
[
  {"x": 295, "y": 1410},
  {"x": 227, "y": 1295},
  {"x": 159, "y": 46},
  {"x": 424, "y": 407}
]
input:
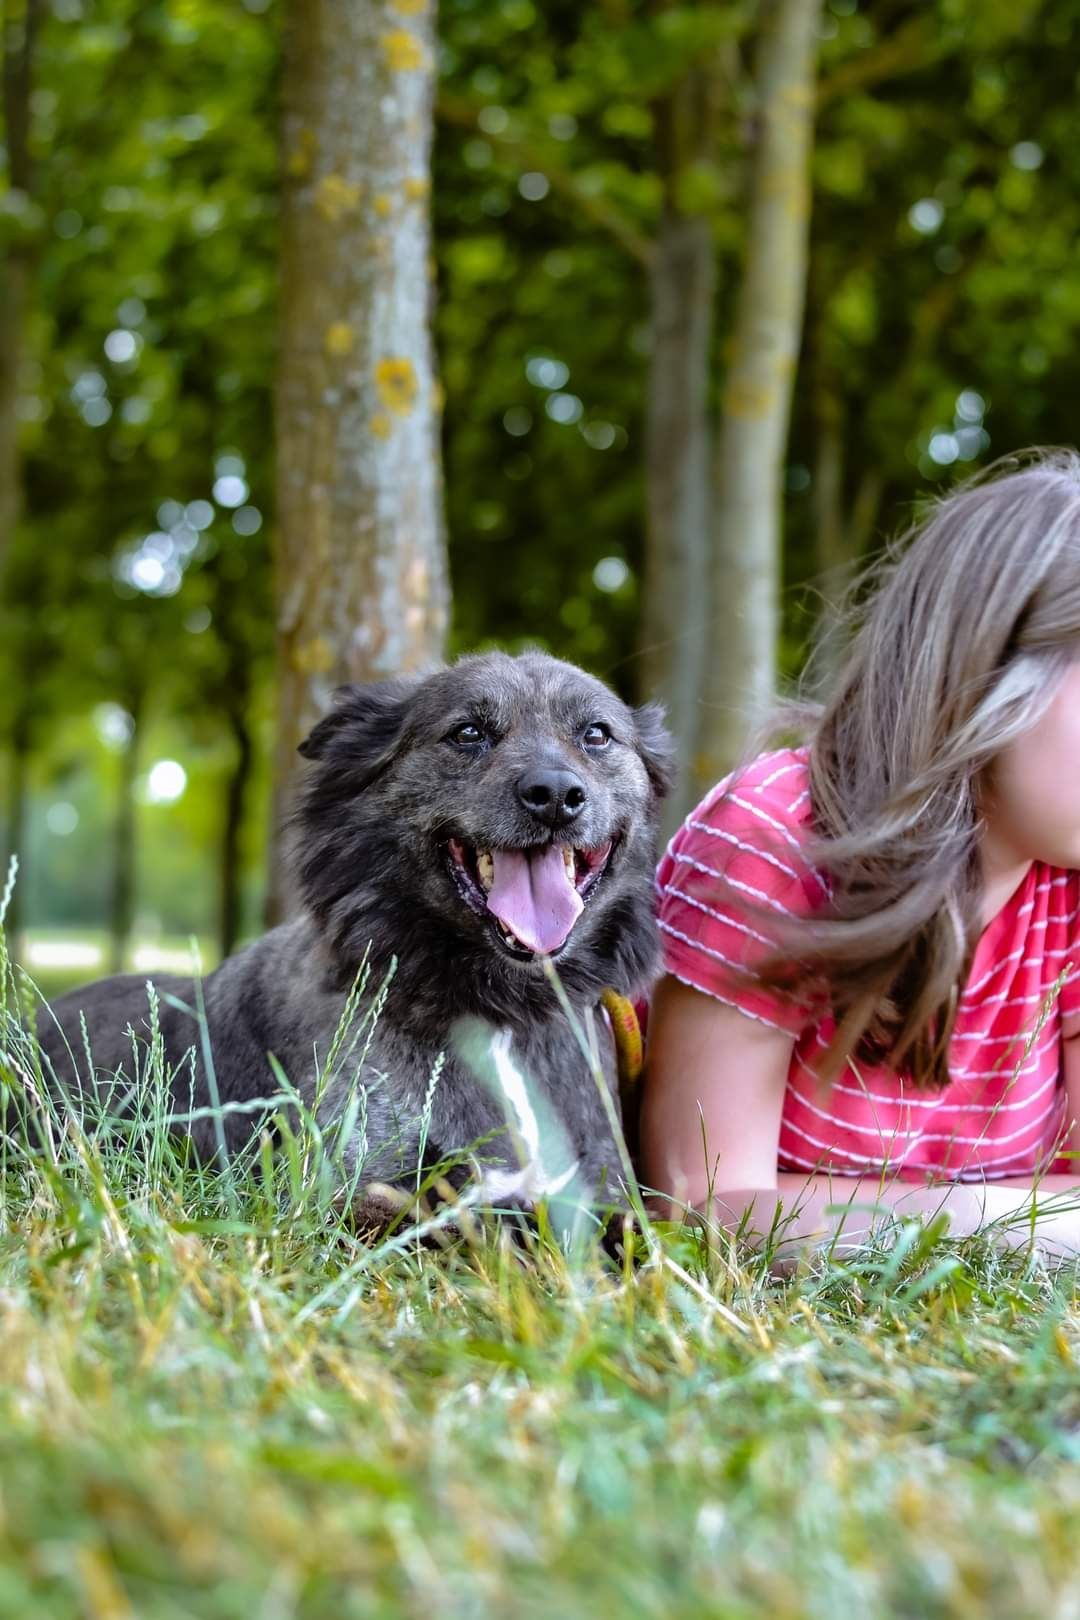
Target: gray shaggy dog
[{"x": 467, "y": 821}]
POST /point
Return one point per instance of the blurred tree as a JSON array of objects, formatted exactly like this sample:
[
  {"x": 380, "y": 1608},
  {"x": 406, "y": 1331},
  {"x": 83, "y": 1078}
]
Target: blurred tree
[
  {"x": 555, "y": 184},
  {"x": 766, "y": 336},
  {"x": 19, "y": 21},
  {"x": 362, "y": 588},
  {"x": 924, "y": 307},
  {"x": 144, "y": 400},
  {"x": 229, "y": 598},
  {"x": 32, "y": 686},
  {"x": 646, "y": 98},
  {"x": 593, "y": 170},
  {"x": 692, "y": 117}
]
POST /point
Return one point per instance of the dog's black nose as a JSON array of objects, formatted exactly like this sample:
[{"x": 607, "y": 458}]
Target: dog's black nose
[{"x": 553, "y": 797}]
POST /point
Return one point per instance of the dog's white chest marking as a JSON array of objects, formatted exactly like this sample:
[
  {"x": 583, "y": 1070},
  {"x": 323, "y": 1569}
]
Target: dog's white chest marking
[{"x": 533, "y": 1180}]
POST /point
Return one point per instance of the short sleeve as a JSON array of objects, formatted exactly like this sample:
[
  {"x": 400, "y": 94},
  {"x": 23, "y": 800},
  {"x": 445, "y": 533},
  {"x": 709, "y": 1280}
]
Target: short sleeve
[
  {"x": 740, "y": 850},
  {"x": 1069, "y": 1000}
]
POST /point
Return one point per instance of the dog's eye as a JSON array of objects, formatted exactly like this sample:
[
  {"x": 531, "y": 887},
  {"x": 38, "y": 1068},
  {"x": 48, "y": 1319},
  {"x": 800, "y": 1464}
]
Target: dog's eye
[
  {"x": 596, "y": 735},
  {"x": 467, "y": 735}
]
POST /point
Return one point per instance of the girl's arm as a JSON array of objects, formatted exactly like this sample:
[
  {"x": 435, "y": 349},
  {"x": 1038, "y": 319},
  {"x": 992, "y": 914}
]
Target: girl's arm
[
  {"x": 1070, "y": 1049},
  {"x": 710, "y": 1127},
  {"x": 970, "y": 1206}
]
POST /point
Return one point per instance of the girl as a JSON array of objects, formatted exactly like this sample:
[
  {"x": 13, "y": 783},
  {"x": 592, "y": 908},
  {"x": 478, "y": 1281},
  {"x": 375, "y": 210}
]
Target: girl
[{"x": 872, "y": 940}]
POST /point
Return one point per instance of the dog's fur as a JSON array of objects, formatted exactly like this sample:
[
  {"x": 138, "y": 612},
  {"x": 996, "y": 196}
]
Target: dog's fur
[{"x": 390, "y": 783}]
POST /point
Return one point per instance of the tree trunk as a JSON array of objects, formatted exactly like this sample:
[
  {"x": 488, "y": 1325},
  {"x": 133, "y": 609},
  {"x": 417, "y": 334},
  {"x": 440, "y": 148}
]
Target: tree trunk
[
  {"x": 362, "y": 589},
  {"x": 675, "y": 620},
  {"x": 20, "y": 19},
  {"x": 831, "y": 559},
  {"x": 232, "y": 829},
  {"x": 14, "y": 285},
  {"x": 122, "y": 891},
  {"x": 19, "y": 760},
  {"x": 757, "y": 396},
  {"x": 841, "y": 536}
]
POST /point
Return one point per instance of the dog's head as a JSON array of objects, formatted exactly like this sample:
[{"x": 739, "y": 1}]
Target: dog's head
[{"x": 502, "y": 808}]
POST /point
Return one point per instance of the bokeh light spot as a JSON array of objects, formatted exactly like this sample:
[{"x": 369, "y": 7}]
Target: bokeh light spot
[
  {"x": 970, "y": 406},
  {"x": 121, "y": 346},
  {"x": 598, "y": 435},
  {"x": 165, "y": 781},
  {"x": 544, "y": 372},
  {"x": 230, "y": 491},
  {"x": 534, "y": 186},
  {"x": 1026, "y": 155},
  {"x": 517, "y": 421},
  {"x": 944, "y": 449},
  {"x": 926, "y": 215},
  {"x": 61, "y": 818},
  {"x": 610, "y": 574},
  {"x": 564, "y": 408},
  {"x": 248, "y": 520},
  {"x": 200, "y": 514},
  {"x": 114, "y": 726}
]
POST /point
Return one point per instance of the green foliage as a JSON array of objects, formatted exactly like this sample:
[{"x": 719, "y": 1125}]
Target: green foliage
[
  {"x": 943, "y": 267},
  {"x": 149, "y": 360}
]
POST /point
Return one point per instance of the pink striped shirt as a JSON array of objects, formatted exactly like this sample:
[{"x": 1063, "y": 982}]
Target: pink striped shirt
[{"x": 1003, "y": 1111}]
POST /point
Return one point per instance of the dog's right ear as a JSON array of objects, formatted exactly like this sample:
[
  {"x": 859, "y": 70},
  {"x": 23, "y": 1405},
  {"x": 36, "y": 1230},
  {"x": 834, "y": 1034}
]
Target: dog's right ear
[
  {"x": 656, "y": 747},
  {"x": 365, "y": 728}
]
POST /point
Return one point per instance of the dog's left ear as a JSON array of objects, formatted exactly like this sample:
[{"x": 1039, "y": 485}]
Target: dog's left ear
[
  {"x": 656, "y": 746},
  {"x": 364, "y": 729}
]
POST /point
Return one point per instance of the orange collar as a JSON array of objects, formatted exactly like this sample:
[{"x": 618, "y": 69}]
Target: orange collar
[{"x": 629, "y": 1047}]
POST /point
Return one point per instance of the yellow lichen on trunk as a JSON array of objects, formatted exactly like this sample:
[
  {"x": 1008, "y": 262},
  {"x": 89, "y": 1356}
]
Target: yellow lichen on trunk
[{"x": 359, "y": 491}]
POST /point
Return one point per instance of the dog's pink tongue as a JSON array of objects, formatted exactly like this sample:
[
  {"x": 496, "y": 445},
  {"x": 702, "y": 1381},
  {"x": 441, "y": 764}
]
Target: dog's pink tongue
[{"x": 534, "y": 897}]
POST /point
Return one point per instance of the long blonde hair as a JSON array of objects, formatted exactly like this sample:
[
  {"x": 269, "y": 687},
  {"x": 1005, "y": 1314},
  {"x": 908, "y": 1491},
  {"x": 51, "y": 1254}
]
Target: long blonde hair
[{"x": 972, "y": 619}]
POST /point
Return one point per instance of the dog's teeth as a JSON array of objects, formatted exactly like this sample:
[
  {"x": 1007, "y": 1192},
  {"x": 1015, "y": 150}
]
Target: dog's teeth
[
  {"x": 485, "y": 867},
  {"x": 568, "y": 862}
]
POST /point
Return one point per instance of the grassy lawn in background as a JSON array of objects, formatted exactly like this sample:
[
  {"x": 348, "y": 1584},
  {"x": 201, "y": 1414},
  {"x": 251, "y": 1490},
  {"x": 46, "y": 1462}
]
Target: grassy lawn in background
[
  {"x": 216, "y": 1402},
  {"x": 59, "y": 959}
]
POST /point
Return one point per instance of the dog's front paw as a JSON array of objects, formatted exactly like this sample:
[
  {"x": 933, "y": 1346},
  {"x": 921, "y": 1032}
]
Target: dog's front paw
[
  {"x": 522, "y": 1186},
  {"x": 623, "y": 1239},
  {"x": 380, "y": 1211},
  {"x": 377, "y": 1208}
]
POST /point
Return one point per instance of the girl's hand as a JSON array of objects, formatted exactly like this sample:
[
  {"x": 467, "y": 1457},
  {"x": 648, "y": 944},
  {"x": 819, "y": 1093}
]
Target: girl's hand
[{"x": 710, "y": 1129}]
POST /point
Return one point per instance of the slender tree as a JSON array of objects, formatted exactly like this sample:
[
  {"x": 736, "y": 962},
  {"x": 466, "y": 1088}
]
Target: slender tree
[
  {"x": 20, "y": 20},
  {"x": 757, "y": 394},
  {"x": 362, "y": 589},
  {"x": 682, "y": 264},
  {"x": 123, "y": 877}
]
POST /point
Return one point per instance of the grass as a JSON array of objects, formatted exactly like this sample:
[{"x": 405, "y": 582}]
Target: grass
[{"x": 217, "y": 1402}]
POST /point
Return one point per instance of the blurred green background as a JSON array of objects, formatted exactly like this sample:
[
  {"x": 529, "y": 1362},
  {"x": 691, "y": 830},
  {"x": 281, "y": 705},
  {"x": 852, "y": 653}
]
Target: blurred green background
[{"x": 942, "y": 306}]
